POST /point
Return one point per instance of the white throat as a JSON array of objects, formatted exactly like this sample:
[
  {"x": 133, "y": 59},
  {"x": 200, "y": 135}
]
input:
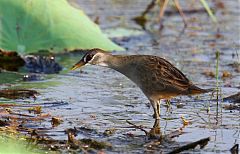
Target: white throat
[{"x": 103, "y": 64}]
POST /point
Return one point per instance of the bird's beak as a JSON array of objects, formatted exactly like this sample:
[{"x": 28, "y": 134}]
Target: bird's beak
[{"x": 78, "y": 65}]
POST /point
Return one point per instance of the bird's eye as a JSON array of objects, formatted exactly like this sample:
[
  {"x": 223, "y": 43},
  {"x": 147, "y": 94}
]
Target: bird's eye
[{"x": 88, "y": 58}]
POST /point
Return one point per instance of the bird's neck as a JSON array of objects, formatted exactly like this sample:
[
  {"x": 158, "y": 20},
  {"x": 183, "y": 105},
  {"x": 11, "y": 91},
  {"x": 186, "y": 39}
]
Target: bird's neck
[
  {"x": 115, "y": 61},
  {"x": 118, "y": 63}
]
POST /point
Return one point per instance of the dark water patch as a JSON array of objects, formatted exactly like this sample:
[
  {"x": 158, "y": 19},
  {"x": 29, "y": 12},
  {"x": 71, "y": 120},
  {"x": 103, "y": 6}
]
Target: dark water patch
[{"x": 42, "y": 64}]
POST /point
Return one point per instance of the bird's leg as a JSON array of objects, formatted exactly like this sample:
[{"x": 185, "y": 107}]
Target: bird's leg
[
  {"x": 155, "y": 132},
  {"x": 158, "y": 106},
  {"x": 156, "y": 123},
  {"x": 156, "y": 113}
]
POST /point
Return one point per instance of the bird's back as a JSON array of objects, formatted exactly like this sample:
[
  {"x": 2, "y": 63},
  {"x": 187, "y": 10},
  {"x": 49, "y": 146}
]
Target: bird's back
[{"x": 155, "y": 76}]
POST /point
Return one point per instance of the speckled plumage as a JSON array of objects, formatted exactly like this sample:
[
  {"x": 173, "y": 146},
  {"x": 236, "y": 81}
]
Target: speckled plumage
[{"x": 155, "y": 76}]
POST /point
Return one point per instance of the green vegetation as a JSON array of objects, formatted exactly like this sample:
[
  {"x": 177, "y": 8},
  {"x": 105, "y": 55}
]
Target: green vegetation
[
  {"x": 209, "y": 11},
  {"x": 29, "y": 26},
  {"x": 11, "y": 144}
]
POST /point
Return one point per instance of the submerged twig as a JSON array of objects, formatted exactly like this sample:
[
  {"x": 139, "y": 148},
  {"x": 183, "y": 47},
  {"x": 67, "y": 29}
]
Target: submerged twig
[
  {"x": 149, "y": 7},
  {"x": 141, "y": 20},
  {"x": 202, "y": 143},
  {"x": 176, "y": 2},
  {"x": 235, "y": 149},
  {"x": 175, "y": 133},
  {"x": 137, "y": 127}
]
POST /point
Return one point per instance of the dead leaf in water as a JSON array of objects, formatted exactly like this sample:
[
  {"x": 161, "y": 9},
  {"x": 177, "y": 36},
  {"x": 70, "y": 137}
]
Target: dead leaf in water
[
  {"x": 71, "y": 139},
  {"x": 219, "y": 4},
  {"x": 179, "y": 105},
  {"x": 109, "y": 131},
  {"x": 93, "y": 116},
  {"x": 209, "y": 74},
  {"x": 18, "y": 93},
  {"x": 141, "y": 20},
  {"x": 226, "y": 74},
  {"x": 212, "y": 44},
  {"x": 56, "y": 121},
  {"x": 184, "y": 121},
  {"x": 35, "y": 109},
  {"x": 8, "y": 110},
  {"x": 95, "y": 144},
  {"x": 219, "y": 36},
  {"x": 232, "y": 107}
]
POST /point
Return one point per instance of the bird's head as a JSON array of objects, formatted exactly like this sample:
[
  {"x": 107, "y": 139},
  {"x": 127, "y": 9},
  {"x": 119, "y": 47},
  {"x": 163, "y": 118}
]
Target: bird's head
[{"x": 94, "y": 57}]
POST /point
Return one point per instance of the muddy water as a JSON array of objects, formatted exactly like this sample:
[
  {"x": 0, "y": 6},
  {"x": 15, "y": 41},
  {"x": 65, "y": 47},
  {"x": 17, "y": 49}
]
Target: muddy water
[{"x": 100, "y": 98}]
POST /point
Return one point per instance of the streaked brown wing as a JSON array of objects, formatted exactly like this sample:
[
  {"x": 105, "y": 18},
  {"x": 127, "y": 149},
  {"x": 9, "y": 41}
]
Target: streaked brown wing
[{"x": 164, "y": 74}]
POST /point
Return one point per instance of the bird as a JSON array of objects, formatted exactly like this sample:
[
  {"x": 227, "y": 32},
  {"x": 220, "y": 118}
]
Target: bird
[{"x": 156, "y": 77}]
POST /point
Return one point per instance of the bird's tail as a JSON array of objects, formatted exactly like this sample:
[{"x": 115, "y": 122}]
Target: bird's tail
[{"x": 193, "y": 90}]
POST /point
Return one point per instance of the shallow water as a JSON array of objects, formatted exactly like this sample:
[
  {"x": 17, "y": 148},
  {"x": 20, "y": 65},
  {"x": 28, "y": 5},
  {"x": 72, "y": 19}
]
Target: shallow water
[{"x": 101, "y": 98}]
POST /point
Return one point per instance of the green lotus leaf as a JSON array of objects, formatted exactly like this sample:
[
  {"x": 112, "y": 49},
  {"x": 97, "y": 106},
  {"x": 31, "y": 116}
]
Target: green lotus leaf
[{"x": 32, "y": 25}]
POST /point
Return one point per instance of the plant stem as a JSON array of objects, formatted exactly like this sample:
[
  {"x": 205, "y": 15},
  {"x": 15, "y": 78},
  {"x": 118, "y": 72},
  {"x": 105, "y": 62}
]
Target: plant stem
[
  {"x": 209, "y": 11},
  {"x": 217, "y": 78}
]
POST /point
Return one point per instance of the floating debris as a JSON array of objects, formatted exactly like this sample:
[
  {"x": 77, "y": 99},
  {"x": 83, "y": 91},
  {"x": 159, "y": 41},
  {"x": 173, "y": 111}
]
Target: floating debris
[
  {"x": 202, "y": 143},
  {"x": 95, "y": 144},
  {"x": 226, "y": 74},
  {"x": 56, "y": 121},
  {"x": 10, "y": 60},
  {"x": 109, "y": 132},
  {"x": 184, "y": 121},
  {"x": 84, "y": 144},
  {"x": 42, "y": 64},
  {"x": 72, "y": 142},
  {"x": 232, "y": 107},
  {"x": 18, "y": 93},
  {"x": 209, "y": 74},
  {"x": 179, "y": 105},
  {"x": 35, "y": 109},
  {"x": 235, "y": 98}
]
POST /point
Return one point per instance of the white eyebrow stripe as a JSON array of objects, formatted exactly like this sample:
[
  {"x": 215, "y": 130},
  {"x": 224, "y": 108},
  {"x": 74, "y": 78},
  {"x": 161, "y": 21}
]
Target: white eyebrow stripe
[{"x": 84, "y": 59}]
